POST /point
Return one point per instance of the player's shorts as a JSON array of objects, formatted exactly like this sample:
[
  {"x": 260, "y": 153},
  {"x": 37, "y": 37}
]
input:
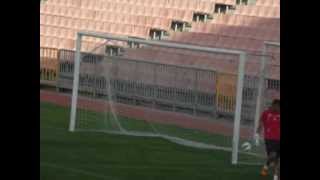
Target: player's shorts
[{"x": 273, "y": 146}]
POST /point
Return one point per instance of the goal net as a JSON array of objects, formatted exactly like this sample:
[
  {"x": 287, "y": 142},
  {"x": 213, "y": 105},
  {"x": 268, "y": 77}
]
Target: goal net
[{"x": 191, "y": 95}]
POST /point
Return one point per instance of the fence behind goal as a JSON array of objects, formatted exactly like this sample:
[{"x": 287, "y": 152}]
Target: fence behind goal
[{"x": 191, "y": 95}]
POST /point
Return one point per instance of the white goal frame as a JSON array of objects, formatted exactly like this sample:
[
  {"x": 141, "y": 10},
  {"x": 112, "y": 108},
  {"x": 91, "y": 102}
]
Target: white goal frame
[{"x": 240, "y": 80}]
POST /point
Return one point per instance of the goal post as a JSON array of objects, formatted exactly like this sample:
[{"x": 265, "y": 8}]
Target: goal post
[
  {"x": 260, "y": 99},
  {"x": 193, "y": 94},
  {"x": 237, "y": 117},
  {"x": 75, "y": 83}
]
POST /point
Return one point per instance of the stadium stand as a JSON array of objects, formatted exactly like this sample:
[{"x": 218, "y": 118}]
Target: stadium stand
[{"x": 232, "y": 24}]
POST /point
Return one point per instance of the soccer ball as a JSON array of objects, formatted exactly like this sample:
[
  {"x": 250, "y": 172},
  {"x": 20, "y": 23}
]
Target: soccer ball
[{"x": 246, "y": 146}]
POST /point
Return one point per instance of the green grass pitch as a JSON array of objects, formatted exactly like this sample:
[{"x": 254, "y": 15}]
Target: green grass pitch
[{"x": 97, "y": 156}]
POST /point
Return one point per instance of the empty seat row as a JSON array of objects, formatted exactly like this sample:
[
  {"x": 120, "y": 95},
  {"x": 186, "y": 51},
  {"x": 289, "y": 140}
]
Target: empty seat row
[
  {"x": 220, "y": 62},
  {"x": 105, "y": 16},
  {"x": 79, "y": 24},
  {"x": 56, "y": 42},
  {"x": 87, "y": 44},
  {"x": 171, "y": 13},
  {"x": 242, "y": 20},
  {"x": 128, "y": 11},
  {"x": 68, "y": 3},
  {"x": 218, "y": 41},
  {"x": 266, "y": 34},
  {"x": 133, "y": 9},
  {"x": 151, "y": 22},
  {"x": 268, "y": 3},
  {"x": 206, "y": 6},
  {"x": 259, "y": 11},
  {"x": 226, "y": 2}
]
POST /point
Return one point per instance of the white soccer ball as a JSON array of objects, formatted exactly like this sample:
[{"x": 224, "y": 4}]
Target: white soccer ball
[{"x": 246, "y": 146}]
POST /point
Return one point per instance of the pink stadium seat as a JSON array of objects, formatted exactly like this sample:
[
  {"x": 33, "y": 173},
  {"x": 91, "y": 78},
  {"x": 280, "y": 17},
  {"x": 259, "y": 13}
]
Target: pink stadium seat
[
  {"x": 142, "y": 2},
  {"x": 124, "y": 29},
  {"x": 80, "y": 13},
  {"x": 69, "y": 44},
  {"x": 112, "y": 17},
  {"x": 76, "y": 3},
  {"x": 188, "y": 5},
  {"x": 53, "y": 2},
  {"x": 91, "y": 4},
  {"x": 63, "y": 21},
  {"x": 63, "y": 11},
  {"x": 69, "y": 33},
  {"x": 174, "y": 13},
  {"x": 42, "y": 41},
  {"x": 52, "y": 31},
  {"x": 67, "y": 3},
  {"x": 43, "y": 8},
  {"x": 62, "y": 33},
  {"x": 55, "y": 20},
  {"x": 273, "y": 12},
  {"x": 205, "y": 6},
  {"x": 48, "y": 20},
  {"x": 150, "y": 3},
  {"x": 47, "y": 31},
  {"x": 84, "y": 3},
  {"x": 54, "y": 42},
  {"x": 176, "y": 4},
  {"x": 120, "y": 8},
  {"x": 89, "y": 14},
  {"x": 158, "y": 12},
  {"x": 91, "y": 25},
  {"x": 262, "y": 11},
  {"x": 56, "y": 10},
  {"x": 228, "y": 2},
  {"x": 276, "y": 13},
  {"x": 42, "y": 30},
  {"x": 50, "y": 9},
  {"x": 67, "y": 22},
  {"x": 158, "y": 3},
  {"x": 60, "y": 44},
  {"x": 268, "y": 3},
  {"x": 114, "y": 28},
  {"x": 76, "y": 23},
  {"x": 43, "y": 19},
  {"x": 139, "y": 20},
  {"x": 49, "y": 42},
  {"x": 257, "y": 11},
  {"x": 99, "y": 16},
  {"x": 84, "y": 24}
]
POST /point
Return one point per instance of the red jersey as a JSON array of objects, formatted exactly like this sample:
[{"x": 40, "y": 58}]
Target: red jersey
[{"x": 271, "y": 124}]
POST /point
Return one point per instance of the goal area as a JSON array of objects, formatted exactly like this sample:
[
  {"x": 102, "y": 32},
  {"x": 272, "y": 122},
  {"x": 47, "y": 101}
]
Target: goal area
[{"x": 195, "y": 96}]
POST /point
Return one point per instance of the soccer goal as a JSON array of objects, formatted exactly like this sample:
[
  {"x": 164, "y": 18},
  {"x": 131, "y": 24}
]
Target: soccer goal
[
  {"x": 266, "y": 89},
  {"x": 191, "y": 95}
]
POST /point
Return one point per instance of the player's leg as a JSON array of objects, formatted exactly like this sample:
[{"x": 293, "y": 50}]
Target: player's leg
[
  {"x": 272, "y": 156},
  {"x": 277, "y": 167},
  {"x": 276, "y": 175},
  {"x": 265, "y": 168}
]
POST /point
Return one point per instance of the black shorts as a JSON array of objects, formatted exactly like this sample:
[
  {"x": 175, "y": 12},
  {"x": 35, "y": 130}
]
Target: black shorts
[{"x": 273, "y": 146}]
